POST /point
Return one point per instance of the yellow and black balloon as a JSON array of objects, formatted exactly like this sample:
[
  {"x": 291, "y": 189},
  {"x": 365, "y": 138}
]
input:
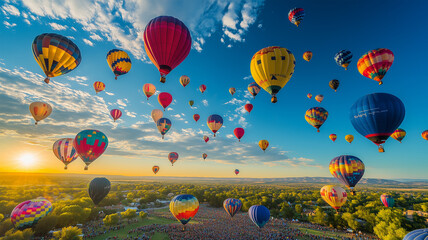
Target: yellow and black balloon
[{"x": 119, "y": 62}]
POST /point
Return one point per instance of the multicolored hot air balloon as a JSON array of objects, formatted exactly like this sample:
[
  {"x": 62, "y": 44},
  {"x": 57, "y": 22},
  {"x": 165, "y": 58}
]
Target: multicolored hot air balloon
[
  {"x": 253, "y": 89},
  {"x": 248, "y": 107},
  {"x": 28, "y": 213},
  {"x": 65, "y": 151},
  {"x": 155, "y": 169},
  {"x": 206, "y": 138},
  {"x": 316, "y": 116},
  {"x": 263, "y": 144},
  {"x": 156, "y": 115},
  {"x": 55, "y": 54},
  {"x": 99, "y": 189},
  {"x": 309, "y": 95},
  {"x": 90, "y": 144},
  {"x": 236, "y": 171},
  {"x": 334, "y": 196},
  {"x": 333, "y": 137},
  {"x": 115, "y": 114},
  {"x": 202, "y": 88},
  {"x": 196, "y": 117},
  {"x": 184, "y": 207},
  {"x": 40, "y": 111},
  {"x": 149, "y": 89},
  {"x": 239, "y": 133},
  {"x": 399, "y": 134},
  {"x": 307, "y": 56},
  {"x": 184, "y": 80},
  {"x": 296, "y": 15},
  {"x": 319, "y": 98},
  {"x": 417, "y": 234},
  {"x": 349, "y": 138},
  {"x": 99, "y": 86},
  {"x": 272, "y": 68},
  {"x": 119, "y": 62},
  {"x": 348, "y": 170},
  {"x": 232, "y": 90},
  {"x": 214, "y": 122},
  {"x": 425, "y": 134},
  {"x": 376, "y": 116},
  {"x": 375, "y": 63},
  {"x": 387, "y": 200},
  {"x": 191, "y": 102},
  {"x": 167, "y": 42},
  {"x": 204, "y": 156},
  {"x": 163, "y": 124},
  {"x": 259, "y": 214},
  {"x": 334, "y": 84},
  {"x": 232, "y": 206},
  {"x": 173, "y": 157},
  {"x": 343, "y": 58},
  {"x": 164, "y": 99}
]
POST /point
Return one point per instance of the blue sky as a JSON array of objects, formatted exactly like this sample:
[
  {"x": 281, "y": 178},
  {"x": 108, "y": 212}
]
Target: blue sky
[{"x": 225, "y": 36}]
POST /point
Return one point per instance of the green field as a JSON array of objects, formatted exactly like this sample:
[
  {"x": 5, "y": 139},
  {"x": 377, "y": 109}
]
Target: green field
[
  {"x": 336, "y": 235},
  {"x": 160, "y": 236}
]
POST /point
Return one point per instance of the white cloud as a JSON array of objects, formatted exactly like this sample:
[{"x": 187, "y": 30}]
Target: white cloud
[
  {"x": 58, "y": 27},
  {"x": 260, "y": 25},
  {"x": 95, "y": 37},
  {"x": 229, "y": 45},
  {"x": 130, "y": 114},
  {"x": 235, "y": 101},
  {"x": 27, "y": 21},
  {"x": 249, "y": 77},
  {"x": 205, "y": 102},
  {"x": 79, "y": 79},
  {"x": 109, "y": 93},
  {"x": 88, "y": 42},
  {"x": 9, "y": 25},
  {"x": 10, "y": 9}
]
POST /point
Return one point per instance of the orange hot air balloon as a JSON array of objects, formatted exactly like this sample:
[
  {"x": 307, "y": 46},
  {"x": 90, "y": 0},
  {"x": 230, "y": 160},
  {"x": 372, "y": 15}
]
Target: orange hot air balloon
[
  {"x": 99, "y": 86},
  {"x": 149, "y": 89},
  {"x": 399, "y": 134},
  {"x": 309, "y": 95},
  {"x": 375, "y": 63},
  {"x": 40, "y": 110},
  {"x": 155, "y": 169},
  {"x": 239, "y": 133},
  {"x": 164, "y": 99},
  {"x": 202, "y": 88},
  {"x": 232, "y": 90},
  {"x": 196, "y": 117},
  {"x": 349, "y": 138},
  {"x": 425, "y": 134},
  {"x": 248, "y": 107},
  {"x": 184, "y": 80},
  {"x": 307, "y": 56},
  {"x": 263, "y": 144},
  {"x": 333, "y": 137},
  {"x": 319, "y": 98}
]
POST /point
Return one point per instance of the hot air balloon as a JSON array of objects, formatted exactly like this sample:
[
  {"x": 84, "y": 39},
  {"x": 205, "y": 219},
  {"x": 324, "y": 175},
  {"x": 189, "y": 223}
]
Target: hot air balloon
[
  {"x": 156, "y": 115},
  {"x": 309, "y": 95},
  {"x": 316, "y": 116},
  {"x": 348, "y": 170},
  {"x": 343, "y": 58},
  {"x": 319, "y": 98},
  {"x": 115, "y": 114},
  {"x": 375, "y": 63},
  {"x": 184, "y": 207},
  {"x": 55, "y": 54},
  {"x": 387, "y": 200},
  {"x": 254, "y": 89},
  {"x": 239, "y": 133},
  {"x": 248, "y": 107},
  {"x": 334, "y": 84},
  {"x": 349, "y": 138},
  {"x": 149, "y": 89},
  {"x": 236, "y": 171},
  {"x": 155, "y": 169},
  {"x": 119, "y": 62},
  {"x": 232, "y": 90},
  {"x": 167, "y": 42},
  {"x": 272, "y": 68},
  {"x": 296, "y": 15},
  {"x": 90, "y": 144},
  {"x": 98, "y": 189},
  {"x": 65, "y": 151},
  {"x": 376, "y": 116},
  {"x": 232, "y": 206},
  {"x": 259, "y": 214},
  {"x": 425, "y": 134},
  {"x": 204, "y": 156},
  {"x": 202, "y": 88},
  {"x": 263, "y": 144},
  {"x": 163, "y": 124},
  {"x": 191, "y": 102},
  {"x": 334, "y": 196},
  {"x": 184, "y": 80},
  {"x": 173, "y": 157},
  {"x": 164, "y": 99},
  {"x": 307, "y": 56},
  {"x": 206, "y": 138},
  {"x": 99, "y": 86},
  {"x": 40, "y": 110},
  {"x": 28, "y": 213},
  {"x": 333, "y": 137},
  {"x": 196, "y": 117},
  {"x": 399, "y": 134},
  {"x": 214, "y": 122},
  {"x": 417, "y": 234}
]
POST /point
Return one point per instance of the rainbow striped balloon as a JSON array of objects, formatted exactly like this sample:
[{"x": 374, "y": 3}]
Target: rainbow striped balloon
[
  {"x": 399, "y": 134},
  {"x": 65, "y": 151},
  {"x": 184, "y": 207},
  {"x": 232, "y": 206},
  {"x": 387, "y": 200},
  {"x": 375, "y": 63},
  {"x": 316, "y": 116},
  {"x": 27, "y": 213}
]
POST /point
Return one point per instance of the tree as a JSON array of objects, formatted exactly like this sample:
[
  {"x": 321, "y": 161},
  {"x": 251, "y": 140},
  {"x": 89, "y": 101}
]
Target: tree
[
  {"x": 389, "y": 225},
  {"x": 69, "y": 233},
  {"x": 44, "y": 225},
  {"x": 143, "y": 215},
  {"x": 286, "y": 210},
  {"x": 319, "y": 216},
  {"x": 5, "y": 226},
  {"x": 129, "y": 214},
  {"x": 298, "y": 208},
  {"x": 350, "y": 219},
  {"x": 111, "y": 219},
  {"x": 26, "y": 234},
  {"x": 1, "y": 217}
]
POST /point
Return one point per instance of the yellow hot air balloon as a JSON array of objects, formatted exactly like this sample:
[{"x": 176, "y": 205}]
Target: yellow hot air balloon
[
  {"x": 232, "y": 90},
  {"x": 263, "y": 144},
  {"x": 156, "y": 115},
  {"x": 307, "y": 56},
  {"x": 184, "y": 80},
  {"x": 149, "y": 89},
  {"x": 119, "y": 62},
  {"x": 334, "y": 196},
  {"x": 272, "y": 68},
  {"x": 40, "y": 110},
  {"x": 349, "y": 138}
]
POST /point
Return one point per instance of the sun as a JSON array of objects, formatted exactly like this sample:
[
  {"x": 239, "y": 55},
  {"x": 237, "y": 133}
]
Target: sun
[{"x": 27, "y": 159}]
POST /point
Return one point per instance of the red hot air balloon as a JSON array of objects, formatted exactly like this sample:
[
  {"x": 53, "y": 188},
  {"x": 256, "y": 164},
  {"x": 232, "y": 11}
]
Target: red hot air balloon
[
  {"x": 206, "y": 138},
  {"x": 236, "y": 171},
  {"x": 196, "y": 117},
  {"x": 202, "y": 88},
  {"x": 239, "y": 133},
  {"x": 167, "y": 42},
  {"x": 164, "y": 99},
  {"x": 115, "y": 114},
  {"x": 248, "y": 107}
]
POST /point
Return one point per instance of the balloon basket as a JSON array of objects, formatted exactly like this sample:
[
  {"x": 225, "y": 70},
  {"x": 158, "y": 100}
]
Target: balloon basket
[
  {"x": 162, "y": 79},
  {"x": 47, "y": 80}
]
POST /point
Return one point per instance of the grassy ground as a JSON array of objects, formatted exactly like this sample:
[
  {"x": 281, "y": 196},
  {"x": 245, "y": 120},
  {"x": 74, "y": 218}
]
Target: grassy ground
[
  {"x": 337, "y": 235},
  {"x": 160, "y": 236}
]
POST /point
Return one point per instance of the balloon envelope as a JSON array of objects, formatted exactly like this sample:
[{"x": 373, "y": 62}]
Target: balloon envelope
[
  {"x": 184, "y": 80},
  {"x": 155, "y": 169},
  {"x": 232, "y": 206},
  {"x": 163, "y": 125},
  {"x": 316, "y": 116},
  {"x": 263, "y": 144},
  {"x": 90, "y": 144},
  {"x": 173, "y": 157},
  {"x": 347, "y": 169},
  {"x": 99, "y": 86},
  {"x": 65, "y": 151},
  {"x": 204, "y": 156},
  {"x": 343, "y": 58},
  {"x": 319, "y": 98},
  {"x": 333, "y": 137},
  {"x": 253, "y": 89},
  {"x": 417, "y": 234},
  {"x": 206, "y": 138},
  {"x": 196, "y": 117},
  {"x": 425, "y": 134},
  {"x": 98, "y": 189},
  {"x": 28, "y": 213},
  {"x": 40, "y": 110},
  {"x": 334, "y": 196},
  {"x": 399, "y": 134},
  {"x": 387, "y": 200},
  {"x": 296, "y": 15},
  {"x": 164, "y": 99},
  {"x": 375, "y": 63},
  {"x": 214, "y": 122},
  {"x": 309, "y": 95},
  {"x": 184, "y": 207},
  {"x": 307, "y": 56},
  {"x": 119, "y": 62},
  {"x": 202, "y": 88},
  {"x": 236, "y": 171},
  {"x": 248, "y": 107},
  {"x": 149, "y": 89},
  {"x": 115, "y": 114},
  {"x": 334, "y": 84},
  {"x": 349, "y": 138},
  {"x": 156, "y": 115},
  {"x": 232, "y": 90},
  {"x": 239, "y": 133},
  {"x": 259, "y": 214}
]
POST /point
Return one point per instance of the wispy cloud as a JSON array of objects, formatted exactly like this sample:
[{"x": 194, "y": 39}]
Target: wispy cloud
[
  {"x": 58, "y": 27},
  {"x": 88, "y": 42},
  {"x": 9, "y": 25},
  {"x": 205, "y": 102},
  {"x": 8, "y": 9}
]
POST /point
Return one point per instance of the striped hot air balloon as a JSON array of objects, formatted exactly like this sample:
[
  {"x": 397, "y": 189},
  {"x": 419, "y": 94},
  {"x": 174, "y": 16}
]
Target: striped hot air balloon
[
  {"x": 184, "y": 80},
  {"x": 65, "y": 151},
  {"x": 232, "y": 206},
  {"x": 375, "y": 63},
  {"x": 115, "y": 114},
  {"x": 348, "y": 170},
  {"x": 387, "y": 200},
  {"x": 316, "y": 116},
  {"x": 28, "y": 213},
  {"x": 417, "y": 234},
  {"x": 259, "y": 214},
  {"x": 253, "y": 89},
  {"x": 296, "y": 15},
  {"x": 119, "y": 62},
  {"x": 399, "y": 134},
  {"x": 184, "y": 207},
  {"x": 99, "y": 86},
  {"x": 149, "y": 89},
  {"x": 214, "y": 122}
]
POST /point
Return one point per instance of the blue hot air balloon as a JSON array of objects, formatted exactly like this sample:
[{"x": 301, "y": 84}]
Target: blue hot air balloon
[
  {"x": 376, "y": 116},
  {"x": 417, "y": 234},
  {"x": 343, "y": 58},
  {"x": 259, "y": 214}
]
